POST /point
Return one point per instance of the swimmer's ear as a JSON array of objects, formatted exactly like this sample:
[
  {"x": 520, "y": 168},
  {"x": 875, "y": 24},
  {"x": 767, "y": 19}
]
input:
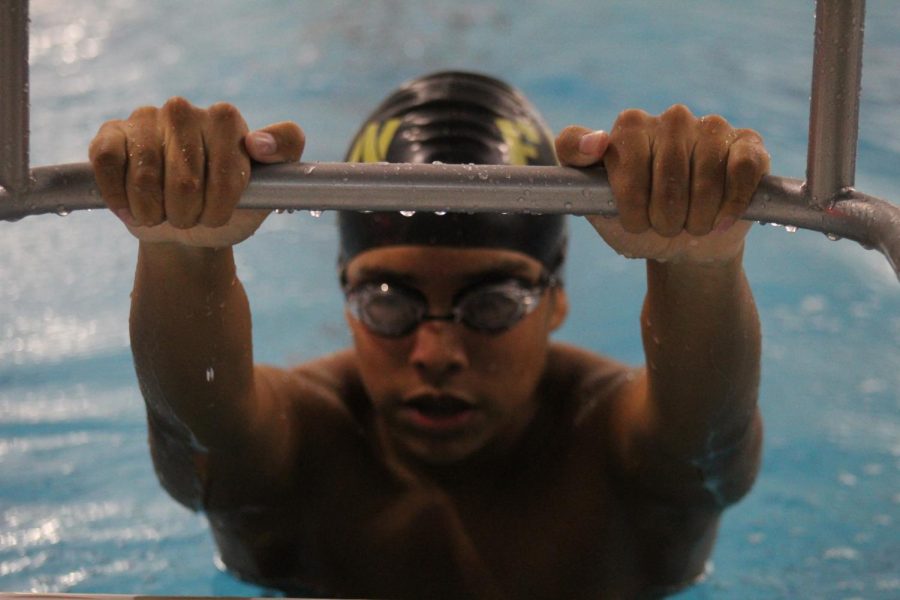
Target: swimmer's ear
[
  {"x": 559, "y": 307},
  {"x": 281, "y": 142}
]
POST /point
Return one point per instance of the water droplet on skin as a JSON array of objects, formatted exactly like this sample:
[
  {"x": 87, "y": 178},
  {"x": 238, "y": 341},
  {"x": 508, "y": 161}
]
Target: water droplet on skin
[
  {"x": 310, "y": 169},
  {"x": 315, "y": 213},
  {"x": 483, "y": 176},
  {"x": 62, "y": 211},
  {"x": 790, "y": 228},
  {"x": 279, "y": 211},
  {"x": 407, "y": 213},
  {"x": 440, "y": 213},
  {"x": 210, "y": 375},
  {"x": 833, "y": 237}
]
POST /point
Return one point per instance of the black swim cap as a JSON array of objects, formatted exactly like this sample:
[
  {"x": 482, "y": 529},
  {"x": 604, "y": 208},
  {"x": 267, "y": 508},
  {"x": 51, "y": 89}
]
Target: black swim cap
[{"x": 455, "y": 118}]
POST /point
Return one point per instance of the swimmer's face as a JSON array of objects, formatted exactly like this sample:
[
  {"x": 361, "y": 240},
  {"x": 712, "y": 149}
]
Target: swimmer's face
[{"x": 445, "y": 391}]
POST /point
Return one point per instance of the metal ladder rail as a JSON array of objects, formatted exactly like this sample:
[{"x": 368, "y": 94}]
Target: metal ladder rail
[{"x": 825, "y": 202}]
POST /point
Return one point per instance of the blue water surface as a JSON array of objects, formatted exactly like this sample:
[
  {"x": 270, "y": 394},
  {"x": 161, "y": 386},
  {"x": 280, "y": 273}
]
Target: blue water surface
[{"x": 80, "y": 509}]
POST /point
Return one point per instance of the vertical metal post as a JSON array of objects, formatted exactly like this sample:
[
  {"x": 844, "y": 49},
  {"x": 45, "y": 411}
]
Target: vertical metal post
[
  {"x": 14, "y": 174},
  {"x": 834, "y": 102}
]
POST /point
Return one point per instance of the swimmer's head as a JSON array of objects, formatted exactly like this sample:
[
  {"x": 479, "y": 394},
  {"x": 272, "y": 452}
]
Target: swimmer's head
[{"x": 455, "y": 118}]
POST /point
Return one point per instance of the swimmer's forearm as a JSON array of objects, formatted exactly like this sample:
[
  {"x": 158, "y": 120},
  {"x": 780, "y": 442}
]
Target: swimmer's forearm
[
  {"x": 191, "y": 339},
  {"x": 702, "y": 341}
]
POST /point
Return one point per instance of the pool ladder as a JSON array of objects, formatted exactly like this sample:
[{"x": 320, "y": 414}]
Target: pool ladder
[{"x": 826, "y": 201}]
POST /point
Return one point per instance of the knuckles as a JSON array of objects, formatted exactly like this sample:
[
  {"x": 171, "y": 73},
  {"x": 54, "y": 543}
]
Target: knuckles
[
  {"x": 633, "y": 118},
  {"x": 106, "y": 156},
  {"x": 178, "y": 111},
  {"x": 143, "y": 113},
  {"x": 223, "y": 113},
  {"x": 713, "y": 126},
  {"x": 187, "y": 186},
  {"x": 145, "y": 178},
  {"x": 677, "y": 117}
]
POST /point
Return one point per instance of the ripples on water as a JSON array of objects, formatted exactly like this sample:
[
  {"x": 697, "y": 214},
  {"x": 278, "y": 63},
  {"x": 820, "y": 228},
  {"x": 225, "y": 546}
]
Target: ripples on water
[{"x": 80, "y": 509}]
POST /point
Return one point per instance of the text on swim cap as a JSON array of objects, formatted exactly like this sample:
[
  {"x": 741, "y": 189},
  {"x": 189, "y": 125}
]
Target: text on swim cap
[
  {"x": 372, "y": 144},
  {"x": 522, "y": 138}
]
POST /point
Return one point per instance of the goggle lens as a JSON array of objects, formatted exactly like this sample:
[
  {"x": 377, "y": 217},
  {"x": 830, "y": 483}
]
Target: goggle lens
[{"x": 394, "y": 311}]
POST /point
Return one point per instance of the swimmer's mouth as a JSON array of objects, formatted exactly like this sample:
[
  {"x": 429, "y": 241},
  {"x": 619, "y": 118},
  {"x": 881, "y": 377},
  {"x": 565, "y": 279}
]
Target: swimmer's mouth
[{"x": 438, "y": 413}]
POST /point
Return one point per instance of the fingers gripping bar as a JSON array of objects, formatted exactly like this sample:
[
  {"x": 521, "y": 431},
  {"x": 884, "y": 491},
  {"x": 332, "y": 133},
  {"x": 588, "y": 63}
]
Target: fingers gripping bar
[
  {"x": 870, "y": 221},
  {"x": 828, "y": 204}
]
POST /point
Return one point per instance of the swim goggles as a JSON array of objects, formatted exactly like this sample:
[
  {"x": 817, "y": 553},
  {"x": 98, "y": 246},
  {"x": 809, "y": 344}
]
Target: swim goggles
[{"x": 395, "y": 310}]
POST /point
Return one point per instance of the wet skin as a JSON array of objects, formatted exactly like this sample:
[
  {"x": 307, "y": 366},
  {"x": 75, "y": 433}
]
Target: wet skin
[
  {"x": 490, "y": 377},
  {"x": 450, "y": 463}
]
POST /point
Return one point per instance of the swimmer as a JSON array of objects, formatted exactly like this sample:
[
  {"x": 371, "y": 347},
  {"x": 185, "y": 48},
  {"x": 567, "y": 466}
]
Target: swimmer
[{"x": 454, "y": 451}]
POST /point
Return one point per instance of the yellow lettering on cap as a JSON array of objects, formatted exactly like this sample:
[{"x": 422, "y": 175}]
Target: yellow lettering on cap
[
  {"x": 373, "y": 143},
  {"x": 522, "y": 138}
]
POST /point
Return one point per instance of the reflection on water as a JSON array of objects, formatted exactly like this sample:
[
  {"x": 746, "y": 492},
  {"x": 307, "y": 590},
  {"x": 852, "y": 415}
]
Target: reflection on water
[{"x": 80, "y": 509}]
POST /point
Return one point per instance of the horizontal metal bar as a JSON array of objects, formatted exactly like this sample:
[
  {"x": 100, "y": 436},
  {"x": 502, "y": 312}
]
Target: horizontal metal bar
[
  {"x": 834, "y": 99},
  {"x": 870, "y": 221}
]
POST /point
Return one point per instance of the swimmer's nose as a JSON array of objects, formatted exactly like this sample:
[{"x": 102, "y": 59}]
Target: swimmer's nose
[{"x": 438, "y": 352}]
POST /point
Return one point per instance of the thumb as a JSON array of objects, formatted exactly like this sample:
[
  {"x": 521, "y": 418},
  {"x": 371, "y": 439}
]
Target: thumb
[
  {"x": 580, "y": 147},
  {"x": 281, "y": 142}
]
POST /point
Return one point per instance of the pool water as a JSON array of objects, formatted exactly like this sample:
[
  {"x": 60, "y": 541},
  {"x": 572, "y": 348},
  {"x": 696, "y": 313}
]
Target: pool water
[{"x": 80, "y": 509}]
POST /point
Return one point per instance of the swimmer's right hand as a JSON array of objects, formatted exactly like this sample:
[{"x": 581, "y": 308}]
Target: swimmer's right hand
[{"x": 176, "y": 173}]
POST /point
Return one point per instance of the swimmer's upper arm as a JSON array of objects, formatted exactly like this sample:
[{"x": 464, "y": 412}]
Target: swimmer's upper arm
[
  {"x": 687, "y": 428},
  {"x": 640, "y": 440},
  {"x": 250, "y": 457},
  {"x": 291, "y": 415}
]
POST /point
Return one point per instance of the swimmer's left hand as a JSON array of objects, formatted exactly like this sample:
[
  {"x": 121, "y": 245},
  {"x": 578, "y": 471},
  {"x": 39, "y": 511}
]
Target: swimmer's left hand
[{"x": 681, "y": 183}]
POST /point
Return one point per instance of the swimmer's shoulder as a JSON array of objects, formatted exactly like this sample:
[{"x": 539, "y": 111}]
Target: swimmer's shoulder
[
  {"x": 328, "y": 383},
  {"x": 324, "y": 397},
  {"x": 589, "y": 376},
  {"x": 595, "y": 388}
]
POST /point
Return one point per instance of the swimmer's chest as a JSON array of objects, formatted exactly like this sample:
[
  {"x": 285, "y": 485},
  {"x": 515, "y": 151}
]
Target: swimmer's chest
[
  {"x": 559, "y": 527},
  {"x": 545, "y": 532}
]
